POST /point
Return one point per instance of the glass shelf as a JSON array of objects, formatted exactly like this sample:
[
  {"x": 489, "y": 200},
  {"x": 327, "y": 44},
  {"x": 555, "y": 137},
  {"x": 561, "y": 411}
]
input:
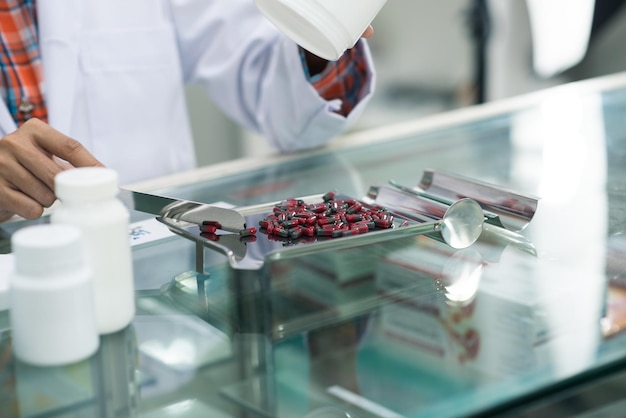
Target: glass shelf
[{"x": 512, "y": 324}]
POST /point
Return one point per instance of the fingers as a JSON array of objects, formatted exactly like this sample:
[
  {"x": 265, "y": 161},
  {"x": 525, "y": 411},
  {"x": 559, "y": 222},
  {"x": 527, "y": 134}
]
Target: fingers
[
  {"x": 5, "y": 215},
  {"x": 14, "y": 176},
  {"x": 369, "y": 32},
  {"x": 29, "y": 161},
  {"x": 52, "y": 143},
  {"x": 23, "y": 164},
  {"x": 20, "y": 192},
  {"x": 14, "y": 202}
]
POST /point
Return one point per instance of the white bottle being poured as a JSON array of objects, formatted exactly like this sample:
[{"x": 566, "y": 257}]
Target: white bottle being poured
[
  {"x": 89, "y": 200},
  {"x": 51, "y": 297}
]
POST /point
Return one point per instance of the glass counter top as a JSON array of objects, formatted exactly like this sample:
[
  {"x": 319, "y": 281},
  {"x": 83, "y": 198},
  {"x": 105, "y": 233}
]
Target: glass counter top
[{"x": 518, "y": 324}]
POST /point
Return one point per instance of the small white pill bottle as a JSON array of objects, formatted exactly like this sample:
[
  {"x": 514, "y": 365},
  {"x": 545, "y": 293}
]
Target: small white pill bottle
[
  {"x": 88, "y": 198},
  {"x": 51, "y": 297}
]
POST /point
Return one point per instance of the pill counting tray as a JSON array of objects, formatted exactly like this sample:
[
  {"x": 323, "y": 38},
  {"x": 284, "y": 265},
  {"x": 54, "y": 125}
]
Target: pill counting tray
[
  {"x": 251, "y": 252},
  {"x": 445, "y": 205}
]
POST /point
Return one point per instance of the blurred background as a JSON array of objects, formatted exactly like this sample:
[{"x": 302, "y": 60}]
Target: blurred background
[{"x": 434, "y": 56}]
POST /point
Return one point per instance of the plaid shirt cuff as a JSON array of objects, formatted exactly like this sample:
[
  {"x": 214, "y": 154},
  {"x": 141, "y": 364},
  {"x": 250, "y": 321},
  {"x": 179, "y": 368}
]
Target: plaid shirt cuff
[{"x": 345, "y": 79}]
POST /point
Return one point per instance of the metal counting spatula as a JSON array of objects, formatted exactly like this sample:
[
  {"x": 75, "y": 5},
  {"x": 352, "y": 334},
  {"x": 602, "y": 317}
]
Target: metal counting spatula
[{"x": 183, "y": 210}]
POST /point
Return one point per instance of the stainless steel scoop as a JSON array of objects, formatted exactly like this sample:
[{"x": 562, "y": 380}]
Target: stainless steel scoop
[
  {"x": 183, "y": 210},
  {"x": 460, "y": 223}
]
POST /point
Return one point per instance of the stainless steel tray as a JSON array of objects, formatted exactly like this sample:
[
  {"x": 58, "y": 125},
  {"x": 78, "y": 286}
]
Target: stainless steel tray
[
  {"x": 460, "y": 225},
  {"x": 452, "y": 207}
]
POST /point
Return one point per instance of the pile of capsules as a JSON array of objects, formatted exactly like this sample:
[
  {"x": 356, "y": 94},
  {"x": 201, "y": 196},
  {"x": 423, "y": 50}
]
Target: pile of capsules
[{"x": 293, "y": 218}]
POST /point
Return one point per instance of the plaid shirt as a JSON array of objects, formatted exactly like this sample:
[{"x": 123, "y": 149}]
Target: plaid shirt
[
  {"x": 345, "y": 79},
  {"x": 20, "y": 61},
  {"x": 21, "y": 74}
]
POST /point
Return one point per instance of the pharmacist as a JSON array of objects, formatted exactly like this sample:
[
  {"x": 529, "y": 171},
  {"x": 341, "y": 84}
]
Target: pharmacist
[{"x": 101, "y": 83}]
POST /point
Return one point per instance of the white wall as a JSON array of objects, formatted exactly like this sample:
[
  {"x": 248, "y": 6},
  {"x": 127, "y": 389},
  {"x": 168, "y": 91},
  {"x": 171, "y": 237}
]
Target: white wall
[{"x": 423, "y": 42}]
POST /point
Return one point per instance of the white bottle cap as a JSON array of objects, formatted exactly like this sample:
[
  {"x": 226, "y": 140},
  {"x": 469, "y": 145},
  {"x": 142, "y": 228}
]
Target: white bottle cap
[
  {"x": 86, "y": 184},
  {"x": 44, "y": 252},
  {"x": 324, "y": 27},
  {"x": 51, "y": 298}
]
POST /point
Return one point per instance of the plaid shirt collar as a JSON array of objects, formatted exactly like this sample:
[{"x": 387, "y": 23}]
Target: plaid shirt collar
[{"x": 20, "y": 61}]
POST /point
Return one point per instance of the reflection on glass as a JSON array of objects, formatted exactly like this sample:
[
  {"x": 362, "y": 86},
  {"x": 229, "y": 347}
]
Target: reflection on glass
[
  {"x": 330, "y": 412},
  {"x": 561, "y": 149},
  {"x": 461, "y": 276},
  {"x": 614, "y": 320},
  {"x": 173, "y": 346},
  {"x": 114, "y": 375},
  {"x": 104, "y": 385}
]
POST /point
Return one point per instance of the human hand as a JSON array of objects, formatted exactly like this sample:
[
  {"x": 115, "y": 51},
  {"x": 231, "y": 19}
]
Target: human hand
[
  {"x": 369, "y": 32},
  {"x": 29, "y": 161}
]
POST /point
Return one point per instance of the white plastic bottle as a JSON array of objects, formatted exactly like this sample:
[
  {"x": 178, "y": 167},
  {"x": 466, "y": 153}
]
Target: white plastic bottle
[
  {"x": 89, "y": 200},
  {"x": 51, "y": 297}
]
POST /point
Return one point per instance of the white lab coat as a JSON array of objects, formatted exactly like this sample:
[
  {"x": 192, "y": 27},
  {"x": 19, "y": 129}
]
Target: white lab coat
[{"x": 114, "y": 75}]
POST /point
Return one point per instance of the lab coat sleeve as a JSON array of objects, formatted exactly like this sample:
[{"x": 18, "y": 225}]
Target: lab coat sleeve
[{"x": 255, "y": 75}]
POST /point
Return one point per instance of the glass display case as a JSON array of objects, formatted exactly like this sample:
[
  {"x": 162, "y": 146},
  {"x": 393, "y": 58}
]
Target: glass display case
[{"x": 524, "y": 323}]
